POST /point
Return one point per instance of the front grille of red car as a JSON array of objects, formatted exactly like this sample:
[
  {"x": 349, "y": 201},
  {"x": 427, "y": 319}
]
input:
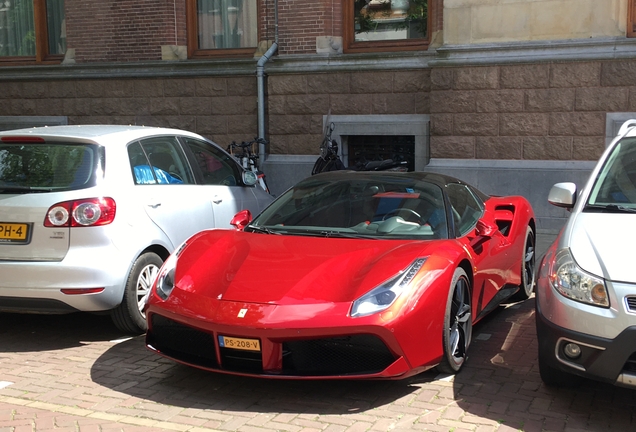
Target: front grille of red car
[
  {"x": 181, "y": 342},
  {"x": 345, "y": 355}
]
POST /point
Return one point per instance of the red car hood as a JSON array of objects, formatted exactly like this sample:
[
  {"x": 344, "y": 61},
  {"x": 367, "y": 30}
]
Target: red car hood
[{"x": 284, "y": 269}]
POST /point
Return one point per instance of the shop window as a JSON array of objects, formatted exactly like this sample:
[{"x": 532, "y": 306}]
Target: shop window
[
  {"x": 386, "y": 25},
  {"x": 222, "y": 27},
  {"x": 32, "y": 31}
]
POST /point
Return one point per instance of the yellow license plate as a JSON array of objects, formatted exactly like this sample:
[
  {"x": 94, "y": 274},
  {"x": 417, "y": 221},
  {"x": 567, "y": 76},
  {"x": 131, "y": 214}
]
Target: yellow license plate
[
  {"x": 240, "y": 343},
  {"x": 14, "y": 232}
]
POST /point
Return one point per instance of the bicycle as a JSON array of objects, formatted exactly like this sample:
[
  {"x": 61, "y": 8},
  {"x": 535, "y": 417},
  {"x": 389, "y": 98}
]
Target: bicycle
[{"x": 248, "y": 158}]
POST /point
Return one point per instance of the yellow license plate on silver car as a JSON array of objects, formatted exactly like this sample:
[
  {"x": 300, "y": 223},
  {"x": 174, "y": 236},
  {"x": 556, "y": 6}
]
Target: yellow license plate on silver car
[
  {"x": 240, "y": 343},
  {"x": 14, "y": 232}
]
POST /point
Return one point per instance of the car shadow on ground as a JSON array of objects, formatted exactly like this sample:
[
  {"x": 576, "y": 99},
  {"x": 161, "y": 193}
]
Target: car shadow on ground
[
  {"x": 34, "y": 332},
  {"x": 148, "y": 376},
  {"x": 501, "y": 382}
]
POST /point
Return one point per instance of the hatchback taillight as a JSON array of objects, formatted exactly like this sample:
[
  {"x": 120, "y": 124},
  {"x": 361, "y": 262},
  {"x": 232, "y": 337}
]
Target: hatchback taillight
[{"x": 81, "y": 213}]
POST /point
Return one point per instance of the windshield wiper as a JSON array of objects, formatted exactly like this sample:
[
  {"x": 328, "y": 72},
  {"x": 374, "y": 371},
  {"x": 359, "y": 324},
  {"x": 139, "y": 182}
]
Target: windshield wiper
[
  {"x": 610, "y": 208},
  {"x": 7, "y": 188},
  {"x": 341, "y": 234},
  {"x": 263, "y": 230}
]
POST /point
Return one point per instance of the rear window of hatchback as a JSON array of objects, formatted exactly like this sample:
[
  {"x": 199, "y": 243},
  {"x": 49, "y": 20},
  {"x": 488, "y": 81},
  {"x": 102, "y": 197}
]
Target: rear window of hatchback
[{"x": 48, "y": 167}]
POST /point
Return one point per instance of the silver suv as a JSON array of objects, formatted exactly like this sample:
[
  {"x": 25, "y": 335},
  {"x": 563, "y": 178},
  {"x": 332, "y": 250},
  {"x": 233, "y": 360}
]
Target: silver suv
[
  {"x": 89, "y": 213},
  {"x": 586, "y": 287}
]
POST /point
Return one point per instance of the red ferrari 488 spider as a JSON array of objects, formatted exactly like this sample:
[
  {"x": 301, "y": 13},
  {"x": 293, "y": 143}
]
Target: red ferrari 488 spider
[{"x": 345, "y": 275}]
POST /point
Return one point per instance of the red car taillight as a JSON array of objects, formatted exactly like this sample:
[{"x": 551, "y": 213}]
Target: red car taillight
[{"x": 81, "y": 213}]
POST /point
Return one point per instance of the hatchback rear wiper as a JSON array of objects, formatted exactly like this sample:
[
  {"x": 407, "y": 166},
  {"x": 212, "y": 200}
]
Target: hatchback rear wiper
[
  {"x": 610, "y": 208},
  {"x": 8, "y": 188}
]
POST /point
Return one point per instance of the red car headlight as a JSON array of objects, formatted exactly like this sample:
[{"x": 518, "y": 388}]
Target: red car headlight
[
  {"x": 383, "y": 296},
  {"x": 165, "y": 279}
]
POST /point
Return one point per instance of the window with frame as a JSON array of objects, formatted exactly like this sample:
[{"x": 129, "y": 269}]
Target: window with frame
[
  {"x": 631, "y": 18},
  {"x": 32, "y": 31},
  {"x": 222, "y": 27},
  {"x": 386, "y": 25}
]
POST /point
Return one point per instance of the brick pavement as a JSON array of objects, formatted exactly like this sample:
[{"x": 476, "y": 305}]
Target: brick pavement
[{"x": 77, "y": 373}]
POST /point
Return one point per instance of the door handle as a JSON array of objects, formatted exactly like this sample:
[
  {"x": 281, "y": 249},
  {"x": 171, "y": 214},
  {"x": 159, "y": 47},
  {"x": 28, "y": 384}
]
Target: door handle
[
  {"x": 217, "y": 200},
  {"x": 154, "y": 205}
]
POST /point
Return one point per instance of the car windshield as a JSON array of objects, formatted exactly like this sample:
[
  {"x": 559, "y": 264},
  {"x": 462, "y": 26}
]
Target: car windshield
[
  {"x": 365, "y": 207},
  {"x": 615, "y": 185},
  {"x": 28, "y": 168}
]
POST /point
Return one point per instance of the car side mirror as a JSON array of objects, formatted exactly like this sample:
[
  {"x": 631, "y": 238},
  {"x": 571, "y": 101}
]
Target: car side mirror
[
  {"x": 485, "y": 228},
  {"x": 241, "y": 220},
  {"x": 563, "y": 195},
  {"x": 249, "y": 178}
]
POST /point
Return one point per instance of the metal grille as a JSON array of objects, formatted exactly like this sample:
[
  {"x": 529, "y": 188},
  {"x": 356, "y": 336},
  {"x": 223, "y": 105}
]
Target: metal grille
[
  {"x": 367, "y": 148},
  {"x": 631, "y": 304},
  {"x": 182, "y": 342},
  {"x": 241, "y": 361},
  {"x": 358, "y": 354},
  {"x": 630, "y": 364}
]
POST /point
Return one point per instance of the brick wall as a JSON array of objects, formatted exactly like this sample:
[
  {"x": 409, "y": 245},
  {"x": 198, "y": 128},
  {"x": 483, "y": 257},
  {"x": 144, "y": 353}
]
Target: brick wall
[
  {"x": 123, "y": 30},
  {"x": 551, "y": 111},
  {"x": 300, "y": 22}
]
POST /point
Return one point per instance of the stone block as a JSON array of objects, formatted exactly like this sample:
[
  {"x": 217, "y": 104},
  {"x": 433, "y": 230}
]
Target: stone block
[
  {"x": 442, "y": 79},
  {"x": 393, "y": 103},
  {"x": 242, "y": 124},
  {"x": 351, "y": 104},
  {"x": 442, "y": 124},
  {"x": 453, "y": 102},
  {"x": 242, "y": 86},
  {"x": 476, "y": 78},
  {"x": 548, "y": 100},
  {"x": 547, "y": 148},
  {"x": 372, "y": 82},
  {"x": 48, "y": 107},
  {"x": 587, "y": 148},
  {"x": 295, "y": 144},
  {"x": 453, "y": 147},
  {"x": 524, "y": 124},
  {"x": 306, "y": 104},
  {"x": 164, "y": 106},
  {"x": 498, "y": 147},
  {"x": 575, "y": 74},
  {"x": 79, "y": 107},
  {"x": 229, "y": 105},
  {"x": 199, "y": 106},
  {"x": 328, "y": 45},
  {"x": 476, "y": 124},
  {"x": 499, "y": 100},
  {"x": 11, "y": 89},
  {"x": 112, "y": 88},
  {"x": 329, "y": 83},
  {"x": 414, "y": 81},
  {"x": 178, "y": 87},
  {"x": 577, "y": 124},
  {"x": 110, "y": 107},
  {"x": 423, "y": 103},
  {"x": 210, "y": 86},
  {"x": 212, "y": 125},
  {"x": 618, "y": 73},
  {"x": 142, "y": 88},
  {"x": 276, "y": 104},
  {"x": 525, "y": 76},
  {"x": 602, "y": 99},
  {"x": 289, "y": 124},
  {"x": 287, "y": 84},
  {"x": 67, "y": 89}
]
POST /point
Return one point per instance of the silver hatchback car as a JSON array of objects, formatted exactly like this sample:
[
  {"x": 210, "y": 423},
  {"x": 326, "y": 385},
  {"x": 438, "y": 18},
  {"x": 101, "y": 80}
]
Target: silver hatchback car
[
  {"x": 586, "y": 287},
  {"x": 88, "y": 214}
]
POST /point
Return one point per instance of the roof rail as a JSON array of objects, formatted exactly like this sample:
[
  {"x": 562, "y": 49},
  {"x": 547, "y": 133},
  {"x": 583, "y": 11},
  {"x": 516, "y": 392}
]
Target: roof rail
[{"x": 626, "y": 126}]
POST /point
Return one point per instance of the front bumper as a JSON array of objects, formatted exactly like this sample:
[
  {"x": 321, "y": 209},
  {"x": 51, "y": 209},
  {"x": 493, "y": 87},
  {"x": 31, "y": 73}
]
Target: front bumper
[{"x": 609, "y": 360}]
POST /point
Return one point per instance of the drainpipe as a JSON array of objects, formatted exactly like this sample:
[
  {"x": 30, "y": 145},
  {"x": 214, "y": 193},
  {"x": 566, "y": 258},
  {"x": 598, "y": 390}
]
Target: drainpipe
[{"x": 260, "y": 76}]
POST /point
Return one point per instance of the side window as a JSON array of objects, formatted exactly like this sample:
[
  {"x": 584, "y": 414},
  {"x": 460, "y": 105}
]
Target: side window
[
  {"x": 215, "y": 166},
  {"x": 221, "y": 27},
  {"x": 466, "y": 208},
  {"x": 159, "y": 160}
]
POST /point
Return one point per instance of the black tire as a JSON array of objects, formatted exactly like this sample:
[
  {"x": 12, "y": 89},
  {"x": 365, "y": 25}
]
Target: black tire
[
  {"x": 128, "y": 316},
  {"x": 458, "y": 324},
  {"x": 528, "y": 261}
]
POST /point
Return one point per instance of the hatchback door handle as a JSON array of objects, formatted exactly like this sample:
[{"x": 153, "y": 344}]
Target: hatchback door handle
[
  {"x": 154, "y": 205},
  {"x": 217, "y": 200}
]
